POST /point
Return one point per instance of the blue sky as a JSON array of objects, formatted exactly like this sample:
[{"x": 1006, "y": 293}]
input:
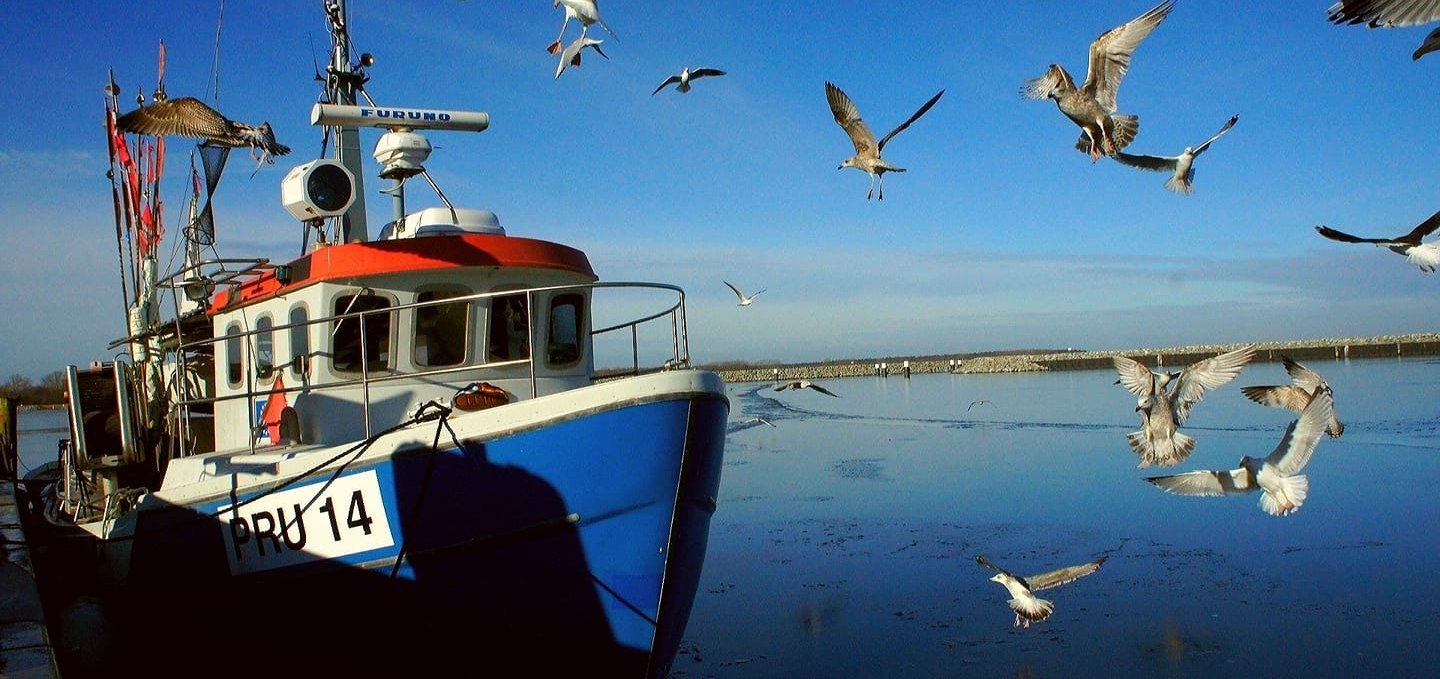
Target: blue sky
[{"x": 999, "y": 236}]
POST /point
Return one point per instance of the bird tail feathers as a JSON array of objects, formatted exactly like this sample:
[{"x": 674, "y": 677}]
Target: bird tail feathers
[
  {"x": 1182, "y": 183},
  {"x": 1293, "y": 490},
  {"x": 1034, "y": 610}
]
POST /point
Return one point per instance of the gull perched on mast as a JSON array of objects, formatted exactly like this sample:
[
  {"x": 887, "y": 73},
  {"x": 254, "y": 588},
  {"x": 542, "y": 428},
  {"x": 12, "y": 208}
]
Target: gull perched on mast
[
  {"x": 190, "y": 117},
  {"x": 1183, "y": 165},
  {"x": 1390, "y": 14},
  {"x": 1092, "y": 105},
  {"x": 587, "y": 12},
  {"x": 1424, "y": 255},
  {"x": 867, "y": 151}
]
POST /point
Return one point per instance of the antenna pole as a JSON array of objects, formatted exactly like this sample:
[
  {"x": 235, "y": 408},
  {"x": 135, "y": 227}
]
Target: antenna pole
[{"x": 342, "y": 85}]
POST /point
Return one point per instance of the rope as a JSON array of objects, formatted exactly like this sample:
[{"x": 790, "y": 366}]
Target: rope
[{"x": 214, "y": 86}]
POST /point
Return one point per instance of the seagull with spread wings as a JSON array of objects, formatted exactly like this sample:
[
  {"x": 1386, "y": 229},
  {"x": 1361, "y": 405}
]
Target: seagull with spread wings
[
  {"x": 1028, "y": 607},
  {"x": 805, "y": 384},
  {"x": 745, "y": 300},
  {"x": 1277, "y": 477},
  {"x": 1305, "y": 383},
  {"x": 1092, "y": 106},
  {"x": 1165, "y": 401},
  {"x": 682, "y": 80},
  {"x": 867, "y": 150},
  {"x": 587, "y": 12},
  {"x": 1182, "y": 166},
  {"x": 571, "y": 55},
  {"x": 1390, "y": 14},
  {"x": 190, "y": 117},
  {"x": 1424, "y": 255}
]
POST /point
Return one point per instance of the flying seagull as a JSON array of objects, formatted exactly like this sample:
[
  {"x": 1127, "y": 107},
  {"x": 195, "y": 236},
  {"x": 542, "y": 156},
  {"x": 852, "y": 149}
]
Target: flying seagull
[
  {"x": 757, "y": 421},
  {"x": 571, "y": 55},
  {"x": 1092, "y": 106},
  {"x": 190, "y": 117},
  {"x": 1295, "y": 396},
  {"x": 1282, "y": 488},
  {"x": 1028, "y": 607},
  {"x": 684, "y": 78},
  {"x": 805, "y": 384},
  {"x": 1182, "y": 165},
  {"x": 745, "y": 300},
  {"x": 587, "y": 12},
  {"x": 980, "y": 402},
  {"x": 867, "y": 151},
  {"x": 1424, "y": 255},
  {"x": 1165, "y": 400},
  {"x": 1389, "y": 14}
]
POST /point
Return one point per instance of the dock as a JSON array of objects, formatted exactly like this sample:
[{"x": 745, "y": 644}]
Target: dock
[{"x": 25, "y": 650}]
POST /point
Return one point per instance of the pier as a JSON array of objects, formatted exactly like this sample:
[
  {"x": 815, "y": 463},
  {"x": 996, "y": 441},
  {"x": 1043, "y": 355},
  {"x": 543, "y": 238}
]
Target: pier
[{"x": 25, "y": 650}]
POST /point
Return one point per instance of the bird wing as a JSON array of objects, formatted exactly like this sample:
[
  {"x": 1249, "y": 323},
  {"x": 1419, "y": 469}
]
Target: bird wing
[
  {"x": 980, "y": 559},
  {"x": 913, "y": 117},
  {"x": 849, "y": 119},
  {"x": 1134, "y": 376},
  {"x": 1385, "y": 13},
  {"x": 1061, "y": 576},
  {"x": 1424, "y": 229},
  {"x": 1206, "y": 482},
  {"x": 1041, "y": 87},
  {"x": 1289, "y": 396},
  {"x": 739, "y": 294},
  {"x": 1210, "y": 373},
  {"x": 1304, "y": 378},
  {"x": 1298, "y": 443},
  {"x": 1156, "y": 163},
  {"x": 185, "y": 117},
  {"x": 702, "y": 72},
  {"x": 1343, "y": 237},
  {"x": 787, "y": 385},
  {"x": 668, "y": 81},
  {"x": 1223, "y": 129},
  {"x": 1110, "y": 53},
  {"x": 823, "y": 390}
]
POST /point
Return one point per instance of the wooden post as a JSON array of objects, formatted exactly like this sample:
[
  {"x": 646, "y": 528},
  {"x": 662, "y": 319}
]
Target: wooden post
[{"x": 9, "y": 448}]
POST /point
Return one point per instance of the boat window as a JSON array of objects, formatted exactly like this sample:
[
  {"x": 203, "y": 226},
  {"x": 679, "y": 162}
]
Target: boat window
[
  {"x": 233, "y": 354},
  {"x": 264, "y": 346},
  {"x": 564, "y": 337},
  {"x": 372, "y": 330},
  {"x": 299, "y": 341},
  {"x": 441, "y": 329},
  {"x": 509, "y": 328}
]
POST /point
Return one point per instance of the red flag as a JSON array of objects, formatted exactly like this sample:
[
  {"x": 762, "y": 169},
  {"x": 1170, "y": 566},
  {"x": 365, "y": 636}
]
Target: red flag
[{"x": 270, "y": 413}]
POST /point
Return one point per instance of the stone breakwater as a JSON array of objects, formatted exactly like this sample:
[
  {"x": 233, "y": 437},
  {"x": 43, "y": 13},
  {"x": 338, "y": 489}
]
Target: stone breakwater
[{"x": 1421, "y": 344}]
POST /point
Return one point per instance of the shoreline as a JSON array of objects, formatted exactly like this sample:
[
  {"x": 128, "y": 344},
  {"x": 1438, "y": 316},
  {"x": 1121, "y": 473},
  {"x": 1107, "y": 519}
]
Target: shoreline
[{"x": 1413, "y": 344}]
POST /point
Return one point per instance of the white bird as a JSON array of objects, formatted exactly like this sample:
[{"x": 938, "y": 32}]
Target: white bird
[
  {"x": 745, "y": 300},
  {"x": 684, "y": 77},
  {"x": 980, "y": 402},
  {"x": 1182, "y": 166},
  {"x": 571, "y": 55},
  {"x": 587, "y": 12},
  {"x": 1282, "y": 488},
  {"x": 190, "y": 117},
  {"x": 1092, "y": 105},
  {"x": 1390, "y": 14},
  {"x": 1295, "y": 396},
  {"x": 1165, "y": 401},
  {"x": 804, "y": 384},
  {"x": 867, "y": 150},
  {"x": 1424, "y": 255},
  {"x": 757, "y": 421},
  {"x": 1028, "y": 607}
]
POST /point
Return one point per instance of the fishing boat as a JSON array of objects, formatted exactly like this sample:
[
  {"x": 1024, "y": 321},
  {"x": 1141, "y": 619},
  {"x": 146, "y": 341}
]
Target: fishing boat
[{"x": 390, "y": 453}]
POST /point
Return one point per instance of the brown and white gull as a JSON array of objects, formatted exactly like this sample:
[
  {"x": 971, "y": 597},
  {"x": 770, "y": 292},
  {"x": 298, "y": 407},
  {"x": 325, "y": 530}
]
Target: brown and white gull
[
  {"x": 587, "y": 12},
  {"x": 805, "y": 384},
  {"x": 1165, "y": 401},
  {"x": 1028, "y": 607},
  {"x": 867, "y": 150},
  {"x": 682, "y": 79},
  {"x": 190, "y": 117},
  {"x": 1182, "y": 166},
  {"x": 745, "y": 300},
  {"x": 1423, "y": 255},
  {"x": 571, "y": 55},
  {"x": 1305, "y": 383},
  {"x": 1277, "y": 477},
  {"x": 1092, "y": 106},
  {"x": 1391, "y": 14}
]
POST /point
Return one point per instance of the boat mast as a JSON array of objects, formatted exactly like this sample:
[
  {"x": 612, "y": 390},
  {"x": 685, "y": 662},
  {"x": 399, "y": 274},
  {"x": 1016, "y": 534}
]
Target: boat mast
[{"x": 341, "y": 87}]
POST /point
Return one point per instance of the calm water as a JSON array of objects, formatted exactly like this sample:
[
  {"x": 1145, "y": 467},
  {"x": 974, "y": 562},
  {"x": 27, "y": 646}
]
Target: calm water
[{"x": 844, "y": 541}]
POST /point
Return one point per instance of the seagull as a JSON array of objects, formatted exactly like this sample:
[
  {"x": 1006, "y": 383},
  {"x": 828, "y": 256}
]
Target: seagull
[
  {"x": 867, "y": 151},
  {"x": 1424, "y": 255},
  {"x": 805, "y": 384},
  {"x": 190, "y": 117},
  {"x": 587, "y": 12},
  {"x": 980, "y": 402},
  {"x": 1092, "y": 106},
  {"x": 1389, "y": 14},
  {"x": 757, "y": 421},
  {"x": 684, "y": 78},
  {"x": 745, "y": 300},
  {"x": 1182, "y": 165},
  {"x": 1297, "y": 395},
  {"x": 571, "y": 55},
  {"x": 1165, "y": 400},
  {"x": 1282, "y": 488},
  {"x": 1028, "y": 607}
]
